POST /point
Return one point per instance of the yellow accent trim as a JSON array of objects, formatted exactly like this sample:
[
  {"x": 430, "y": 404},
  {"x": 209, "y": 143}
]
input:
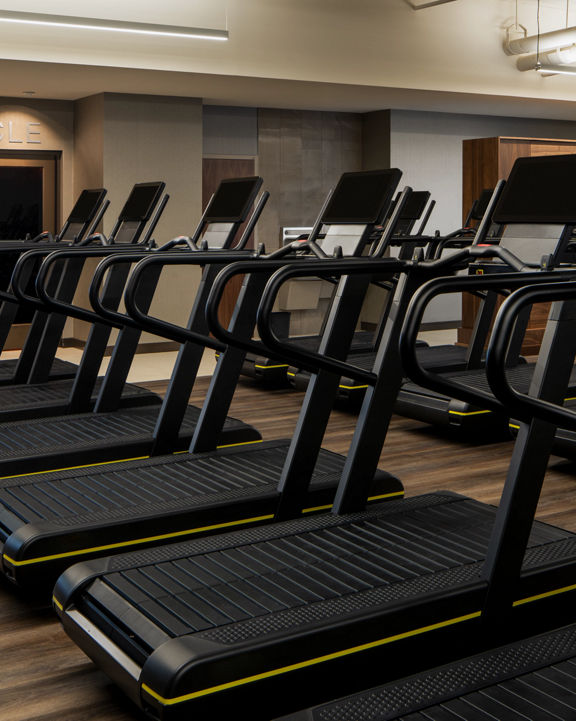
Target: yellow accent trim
[
  {"x": 137, "y": 541},
  {"x": 470, "y": 413},
  {"x": 175, "y": 534},
  {"x": 572, "y": 398},
  {"x": 380, "y": 497},
  {"x": 57, "y": 603},
  {"x": 244, "y": 443},
  {"x": 307, "y": 663},
  {"x": 548, "y": 594},
  {"x": 352, "y": 388},
  {"x": 513, "y": 425},
  {"x": 229, "y": 445},
  {"x": 75, "y": 468},
  {"x": 119, "y": 460},
  {"x": 281, "y": 365},
  {"x": 292, "y": 375}
]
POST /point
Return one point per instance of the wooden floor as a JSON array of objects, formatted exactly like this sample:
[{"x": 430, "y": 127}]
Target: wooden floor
[{"x": 44, "y": 677}]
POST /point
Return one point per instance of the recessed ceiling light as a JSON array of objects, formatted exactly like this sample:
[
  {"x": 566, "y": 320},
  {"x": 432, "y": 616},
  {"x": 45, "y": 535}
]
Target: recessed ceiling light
[{"x": 118, "y": 26}]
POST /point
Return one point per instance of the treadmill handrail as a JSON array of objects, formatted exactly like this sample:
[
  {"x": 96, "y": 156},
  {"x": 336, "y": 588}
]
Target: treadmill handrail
[
  {"x": 18, "y": 284},
  {"x": 70, "y": 309},
  {"x": 522, "y": 405},
  {"x": 440, "y": 286},
  {"x": 277, "y": 348},
  {"x": 176, "y": 332},
  {"x": 310, "y": 360},
  {"x": 218, "y": 257}
]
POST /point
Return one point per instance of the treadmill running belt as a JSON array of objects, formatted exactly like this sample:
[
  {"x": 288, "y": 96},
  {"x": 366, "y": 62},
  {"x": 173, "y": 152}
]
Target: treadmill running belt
[
  {"x": 49, "y": 520},
  {"x": 49, "y": 443},
  {"x": 60, "y": 369},
  {"x": 290, "y": 578},
  {"x": 35, "y": 400},
  {"x": 520, "y": 377},
  {"x": 534, "y": 679}
]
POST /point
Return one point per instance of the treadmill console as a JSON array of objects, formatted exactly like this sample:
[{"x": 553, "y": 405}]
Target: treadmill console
[
  {"x": 86, "y": 206},
  {"x": 141, "y": 202},
  {"x": 232, "y": 201}
]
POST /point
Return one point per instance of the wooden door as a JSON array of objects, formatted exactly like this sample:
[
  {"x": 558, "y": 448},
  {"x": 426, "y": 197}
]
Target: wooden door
[
  {"x": 213, "y": 171},
  {"x": 28, "y": 206}
]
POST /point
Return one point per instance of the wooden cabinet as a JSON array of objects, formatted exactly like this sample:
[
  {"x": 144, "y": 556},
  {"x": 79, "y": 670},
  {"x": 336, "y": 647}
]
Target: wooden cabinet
[{"x": 484, "y": 162}]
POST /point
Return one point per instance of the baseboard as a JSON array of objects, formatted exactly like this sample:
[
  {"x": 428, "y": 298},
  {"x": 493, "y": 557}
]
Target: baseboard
[
  {"x": 158, "y": 347},
  {"x": 441, "y": 325},
  {"x": 432, "y": 325}
]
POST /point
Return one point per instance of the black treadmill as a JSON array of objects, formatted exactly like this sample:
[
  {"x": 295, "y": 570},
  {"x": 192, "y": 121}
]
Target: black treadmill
[
  {"x": 274, "y": 372},
  {"x": 533, "y": 235},
  {"x": 87, "y": 212},
  {"x": 268, "y": 619},
  {"x": 41, "y": 396},
  {"x": 448, "y": 357},
  {"x": 108, "y": 432},
  {"x": 82, "y": 513},
  {"x": 534, "y": 678}
]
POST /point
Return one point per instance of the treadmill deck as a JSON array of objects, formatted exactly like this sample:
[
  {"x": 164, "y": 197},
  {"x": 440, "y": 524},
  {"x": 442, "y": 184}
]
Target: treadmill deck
[{"x": 215, "y": 621}]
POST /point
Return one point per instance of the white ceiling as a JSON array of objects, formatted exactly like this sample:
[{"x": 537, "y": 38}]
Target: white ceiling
[{"x": 354, "y": 55}]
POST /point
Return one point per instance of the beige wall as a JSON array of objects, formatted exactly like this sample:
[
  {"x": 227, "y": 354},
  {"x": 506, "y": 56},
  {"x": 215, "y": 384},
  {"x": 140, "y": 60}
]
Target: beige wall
[{"x": 125, "y": 139}]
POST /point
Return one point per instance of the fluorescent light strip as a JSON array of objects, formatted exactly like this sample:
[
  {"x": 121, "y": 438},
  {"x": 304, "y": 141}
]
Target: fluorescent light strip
[
  {"x": 556, "y": 69},
  {"x": 115, "y": 26}
]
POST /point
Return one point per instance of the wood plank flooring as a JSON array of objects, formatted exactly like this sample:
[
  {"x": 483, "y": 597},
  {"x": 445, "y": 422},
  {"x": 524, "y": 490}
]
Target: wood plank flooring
[{"x": 44, "y": 677}]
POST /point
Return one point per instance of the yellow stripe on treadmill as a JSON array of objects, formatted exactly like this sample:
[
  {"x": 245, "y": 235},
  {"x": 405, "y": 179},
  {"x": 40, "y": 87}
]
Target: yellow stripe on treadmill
[
  {"x": 307, "y": 663},
  {"x": 136, "y": 541},
  {"x": 513, "y": 425},
  {"x": 57, "y": 603},
  {"x": 469, "y": 413},
  {"x": 281, "y": 365},
  {"x": 548, "y": 594},
  {"x": 229, "y": 445},
  {"x": 352, "y": 388},
  {"x": 76, "y": 468},
  {"x": 370, "y": 499}
]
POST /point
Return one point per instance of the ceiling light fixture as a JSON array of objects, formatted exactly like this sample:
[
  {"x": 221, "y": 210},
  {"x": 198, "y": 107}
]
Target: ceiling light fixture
[
  {"x": 117, "y": 26},
  {"x": 420, "y": 4},
  {"x": 556, "y": 69}
]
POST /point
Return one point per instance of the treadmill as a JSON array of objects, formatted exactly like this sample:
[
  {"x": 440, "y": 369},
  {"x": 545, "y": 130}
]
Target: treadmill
[
  {"x": 447, "y": 357},
  {"x": 270, "y": 619},
  {"x": 77, "y": 514},
  {"x": 84, "y": 217},
  {"x": 534, "y": 678},
  {"x": 537, "y": 238},
  {"x": 273, "y": 372},
  {"x": 42, "y": 399},
  {"x": 109, "y": 433}
]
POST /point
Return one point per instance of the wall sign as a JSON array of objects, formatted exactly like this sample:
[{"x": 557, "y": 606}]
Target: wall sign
[{"x": 20, "y": 133}]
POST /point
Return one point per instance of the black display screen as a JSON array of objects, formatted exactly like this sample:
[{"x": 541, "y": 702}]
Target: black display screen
[
  {"x": 86, "y": 206},
  {"x": 481, "y": 204},
  {"x": 539, "y": 190},
  {"x": 362, "y": 197},
  {"x": 415, "y": 205},
  {"x": 233, "y": 200},
  {"x": 141, "y": 201}
]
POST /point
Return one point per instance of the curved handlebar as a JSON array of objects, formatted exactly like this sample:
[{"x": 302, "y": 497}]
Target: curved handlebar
[
  {"x": 521, "y": 405},
  {"x": 163, "y": 327},
  {"x": 127, "y": 255},
  {"x": 415, "y": 313}
]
